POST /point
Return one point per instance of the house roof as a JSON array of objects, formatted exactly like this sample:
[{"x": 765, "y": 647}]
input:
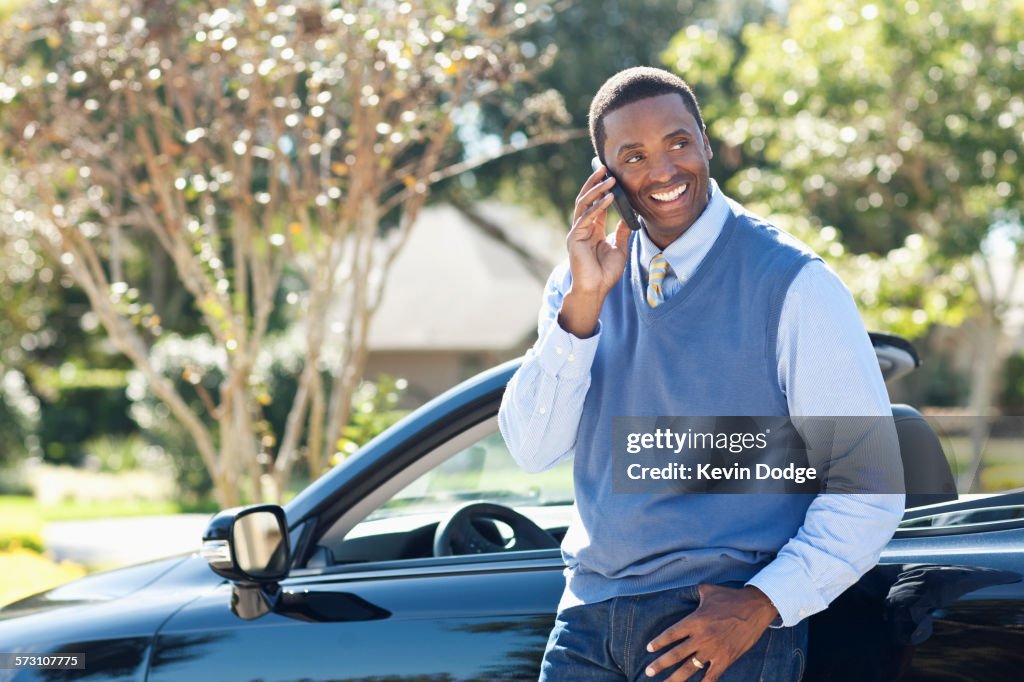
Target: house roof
[{"x": 454, "y": 287}]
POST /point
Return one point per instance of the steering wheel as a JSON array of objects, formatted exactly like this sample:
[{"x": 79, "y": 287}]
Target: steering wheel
[{"x": 459, "y": 534}]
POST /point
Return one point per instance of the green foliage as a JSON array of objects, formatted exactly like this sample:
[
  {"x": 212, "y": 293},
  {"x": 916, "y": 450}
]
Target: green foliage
[
  {"x": 177, "y": 156},
  {"x": 27, "y": 572},
  {"x": 7, "y": 7},
  {"x": 1011, "y": 398},
  {"x": 196, "y": 367},
  {"x": 909, "y": 288},
  {"x": 373, "y": 412},
  {"x": 19, "y": 417},
  {"x": 705, "y": 57},
  {"x": 78, "y": 405},
  {"x": 940, "y": 384},
  {"x": 24, "y": 569},
  {"x": 22, "y": 525},
  {"x": 593, "y": 40},
  {"x": 898, "y": 117},
  {"x": 25, "y": 516},
  {"x": 896, "y": 127},
  {"x": 119, "y": 452},
  {"x": 14, "y": 482}
]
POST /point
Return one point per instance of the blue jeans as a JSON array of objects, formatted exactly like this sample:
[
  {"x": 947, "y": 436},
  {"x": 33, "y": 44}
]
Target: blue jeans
[{"x": 607, "y": 642}]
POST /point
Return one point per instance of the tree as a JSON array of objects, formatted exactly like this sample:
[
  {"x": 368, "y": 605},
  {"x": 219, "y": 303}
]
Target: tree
[
  {"x": 247, "y": 142},
  {"x": 598, "y": 38},
  {"x": 897, "y": 128}
]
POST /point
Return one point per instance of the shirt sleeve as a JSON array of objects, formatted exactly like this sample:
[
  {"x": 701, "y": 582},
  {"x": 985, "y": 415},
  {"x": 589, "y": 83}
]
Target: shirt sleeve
[
  {"x": 828, "y": 367},
  {"x": 555, "y": 372}
]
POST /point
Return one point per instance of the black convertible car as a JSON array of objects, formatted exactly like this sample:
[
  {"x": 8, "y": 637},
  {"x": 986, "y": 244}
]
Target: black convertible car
[{"x": 430, "y": 556}]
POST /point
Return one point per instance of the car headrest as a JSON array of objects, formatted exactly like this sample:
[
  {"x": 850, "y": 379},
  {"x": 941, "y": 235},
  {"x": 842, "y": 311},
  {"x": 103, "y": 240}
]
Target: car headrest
[{"x": 926, "y": 471}]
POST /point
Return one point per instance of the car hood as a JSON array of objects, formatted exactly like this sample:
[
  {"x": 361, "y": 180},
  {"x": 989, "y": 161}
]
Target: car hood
[{"x": 176, "y": 573}]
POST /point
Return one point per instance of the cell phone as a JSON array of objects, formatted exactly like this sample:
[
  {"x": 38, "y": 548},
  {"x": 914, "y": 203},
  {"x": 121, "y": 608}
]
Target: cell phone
[{"x": 622, "y": 204}]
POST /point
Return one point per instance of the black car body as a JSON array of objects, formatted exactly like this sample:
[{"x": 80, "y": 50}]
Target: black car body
[{"x": 368, "y": 596}]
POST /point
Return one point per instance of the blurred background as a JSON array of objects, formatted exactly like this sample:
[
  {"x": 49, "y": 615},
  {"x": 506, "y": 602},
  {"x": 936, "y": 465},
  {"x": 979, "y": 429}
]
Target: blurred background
[{"x": 238, "y": 240}]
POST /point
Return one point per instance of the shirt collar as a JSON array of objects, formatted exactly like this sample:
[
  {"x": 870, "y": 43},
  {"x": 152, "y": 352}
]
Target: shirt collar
[{"x": 687, "y": 252}]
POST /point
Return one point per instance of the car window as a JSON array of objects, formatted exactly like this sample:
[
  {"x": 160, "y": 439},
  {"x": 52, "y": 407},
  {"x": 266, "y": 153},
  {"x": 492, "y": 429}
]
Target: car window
[
  {"x": 475, "y": 467},
  {"x": 989, "y": 515},
  {"x": 483, "y": 471}
]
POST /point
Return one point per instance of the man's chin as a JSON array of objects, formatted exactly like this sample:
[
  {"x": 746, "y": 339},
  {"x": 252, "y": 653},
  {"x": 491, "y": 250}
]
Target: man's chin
[
  {"x": 663, "y": 235},
  {"x": 675, "y": 222},
  {"x": 669, "y": 222}
]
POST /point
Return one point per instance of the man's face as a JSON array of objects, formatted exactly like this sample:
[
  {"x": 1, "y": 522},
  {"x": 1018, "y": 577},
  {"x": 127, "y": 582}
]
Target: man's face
[{"x": 660, "y": 156}]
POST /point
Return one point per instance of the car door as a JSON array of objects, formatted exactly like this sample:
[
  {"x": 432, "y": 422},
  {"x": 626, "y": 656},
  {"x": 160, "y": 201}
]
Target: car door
[
  {"x": 945, "y": 603},
  {"x": 975, "y": 550},
  {"x": 374, "y": 603}
]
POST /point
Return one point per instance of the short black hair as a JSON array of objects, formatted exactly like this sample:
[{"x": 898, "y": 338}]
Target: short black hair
[{"x": 631, "y": 85}]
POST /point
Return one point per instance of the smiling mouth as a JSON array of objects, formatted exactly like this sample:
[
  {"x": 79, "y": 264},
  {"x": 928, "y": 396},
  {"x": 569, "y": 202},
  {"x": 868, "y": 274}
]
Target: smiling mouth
[{"x": 670, "y": 195}]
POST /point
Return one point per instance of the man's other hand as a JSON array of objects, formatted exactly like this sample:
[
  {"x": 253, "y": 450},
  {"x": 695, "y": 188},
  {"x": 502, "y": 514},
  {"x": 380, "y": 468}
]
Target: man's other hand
[{"x": 726, "y": 623}]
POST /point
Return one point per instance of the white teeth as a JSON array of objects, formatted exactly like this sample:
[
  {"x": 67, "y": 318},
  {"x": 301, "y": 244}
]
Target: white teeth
[{"x": 669, "y": 196}]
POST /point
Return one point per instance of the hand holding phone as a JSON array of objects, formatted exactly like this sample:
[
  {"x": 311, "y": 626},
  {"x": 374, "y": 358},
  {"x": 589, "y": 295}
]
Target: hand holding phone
[
  {"x": 622, "y": 204},
  {"x": 597, "y": 260}
]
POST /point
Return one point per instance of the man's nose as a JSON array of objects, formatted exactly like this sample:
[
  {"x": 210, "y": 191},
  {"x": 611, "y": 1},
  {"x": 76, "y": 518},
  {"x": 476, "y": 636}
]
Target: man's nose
[{"x": 662, "y": 168}]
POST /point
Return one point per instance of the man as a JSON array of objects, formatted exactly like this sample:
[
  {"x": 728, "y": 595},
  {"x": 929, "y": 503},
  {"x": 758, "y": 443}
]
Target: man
[{"x": 708, "y": 310}]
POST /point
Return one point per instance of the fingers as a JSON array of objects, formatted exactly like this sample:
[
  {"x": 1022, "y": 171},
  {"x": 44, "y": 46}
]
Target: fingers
[
  {"x": 681, "y": 653},
  {"x": 594, "y": 197},
  {"x": 725, "y": 625},
  {"x": 593, "y": 215},
  {"x": 674, "y": 633},
  {"x": 620, "y": 238},
  {"x": 597, "y": 177},
  {"x": 678, "y": 636},
  {"x": 685, "y": 672}
]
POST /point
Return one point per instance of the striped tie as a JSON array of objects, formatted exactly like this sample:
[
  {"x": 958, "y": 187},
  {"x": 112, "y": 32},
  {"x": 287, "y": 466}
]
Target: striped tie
[{"x": 657, "y": 270}]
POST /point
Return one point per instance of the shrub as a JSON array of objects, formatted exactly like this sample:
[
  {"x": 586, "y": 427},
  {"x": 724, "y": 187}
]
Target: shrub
[
  {"x": 1011, "y": 398},
  {"x": 19, "y": 417},
  {"x": 26, "y": 572},
  {"x": 22, "y": 526},
  {"x": 197, "y": 368},
  {"x": 79, "y": 405}
]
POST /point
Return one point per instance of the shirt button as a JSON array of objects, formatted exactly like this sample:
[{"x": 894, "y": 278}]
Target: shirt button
[
  {"x": 572, "y": 356},
  {"x": 544, "y": 410},
  {"x": 558, "y": 350},
  {"x": 803, "y": 612}
]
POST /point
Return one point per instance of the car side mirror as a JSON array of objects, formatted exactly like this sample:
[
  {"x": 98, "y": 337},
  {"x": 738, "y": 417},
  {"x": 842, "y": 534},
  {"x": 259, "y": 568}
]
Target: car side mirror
[{"x": 249, "y": 547}]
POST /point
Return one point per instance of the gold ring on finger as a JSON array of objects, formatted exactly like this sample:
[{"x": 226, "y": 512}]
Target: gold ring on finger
[{"x": 696, "y": 661}]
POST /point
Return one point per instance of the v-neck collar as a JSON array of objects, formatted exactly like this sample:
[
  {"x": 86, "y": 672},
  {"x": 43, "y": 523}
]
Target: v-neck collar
[{"x": 639, "y": 294}]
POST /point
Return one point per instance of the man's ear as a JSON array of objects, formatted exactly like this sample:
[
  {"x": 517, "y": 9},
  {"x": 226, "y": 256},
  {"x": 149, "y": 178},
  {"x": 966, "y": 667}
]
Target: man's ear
[{"x": 707, "y": 142}]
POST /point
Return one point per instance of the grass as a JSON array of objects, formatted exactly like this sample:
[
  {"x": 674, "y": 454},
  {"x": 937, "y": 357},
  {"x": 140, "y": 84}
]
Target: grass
[
  {"x": 1002, "y": 463},
  {"x": 20, "y": 524},
  {"x": 26, "y": 572},
  {"x": 105, "y": 509},
  {"x": 22, "y": 518},
  {"x": 27, "y": 511}
]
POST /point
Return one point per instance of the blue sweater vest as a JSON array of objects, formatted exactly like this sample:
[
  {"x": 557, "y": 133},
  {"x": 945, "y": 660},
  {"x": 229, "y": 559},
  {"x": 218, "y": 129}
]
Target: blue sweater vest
[{"x": 710, "y": 350}]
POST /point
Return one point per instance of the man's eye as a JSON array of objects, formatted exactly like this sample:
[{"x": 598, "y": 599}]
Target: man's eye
[
  {"x": 633, "y": 159},
  {"x": 678, "y": 144}
]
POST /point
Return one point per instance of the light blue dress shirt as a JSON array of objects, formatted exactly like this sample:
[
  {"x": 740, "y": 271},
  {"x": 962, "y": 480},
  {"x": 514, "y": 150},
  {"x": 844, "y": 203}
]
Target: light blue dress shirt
[{"x": 826, "y": 367}]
